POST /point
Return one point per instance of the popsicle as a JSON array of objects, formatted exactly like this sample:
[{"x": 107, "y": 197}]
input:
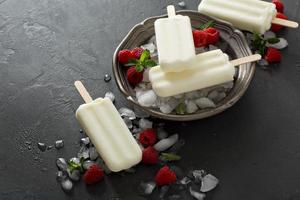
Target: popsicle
[
  {"x": 214, "y": 68},
  {"x": 250, "y": 15},
  {"x": 174, "y": 40},
  {"x": 107, "y": 131}
]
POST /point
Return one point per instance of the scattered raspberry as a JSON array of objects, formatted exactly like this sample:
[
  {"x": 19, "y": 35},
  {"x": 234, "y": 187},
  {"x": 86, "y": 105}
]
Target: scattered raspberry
[
  {"x": 279, "y": 5},
  {"x": 150, "y": 156},
  {"x": 137, "y": 52},
  {"x": 165, "y": 176},
  {"x": 93, "y": 175},
  {"x": 213, "y": 35},
  {"x": 200, "y": 38},
  {"x": 133, "y": 76},
  {"x": 273, "y": 55},
  {"x": 148, "y": 137},
  {"x": 124, "y": 56},
  {"x": 276, "y": 27}
]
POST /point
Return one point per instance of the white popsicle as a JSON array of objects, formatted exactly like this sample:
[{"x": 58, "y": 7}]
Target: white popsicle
[
  {"x": 174, "y": 40},
  {"x": 213, "y": 68},
  {"x": 250, "y": 15},
  {"x": 108, "y": 132}
]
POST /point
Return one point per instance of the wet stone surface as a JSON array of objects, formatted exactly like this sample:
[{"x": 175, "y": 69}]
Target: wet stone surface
[{"x": 47, "y": 44}]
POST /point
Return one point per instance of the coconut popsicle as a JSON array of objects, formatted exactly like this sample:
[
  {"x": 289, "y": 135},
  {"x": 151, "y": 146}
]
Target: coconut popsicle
[
  {"x": 213, "y": 68},
  {"x": 108, "y": 132},
  {"x": 250, "y": 15},
  {"x": 174, "y": 38}
]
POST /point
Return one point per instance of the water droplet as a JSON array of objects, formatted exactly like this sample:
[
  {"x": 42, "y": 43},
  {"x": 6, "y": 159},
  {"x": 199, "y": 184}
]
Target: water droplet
[
  {"x": 182, "y": 4},
  {"x": 107, "y": 78},
  {"x": 146, "y": 188},
  {"x": 50, "y": 147},
  {"x": 59, "y": 144},
  {"x": 42, "y": 146},
  {"x": 67, "y": 185},
  {"x": 85, "y": 140}
]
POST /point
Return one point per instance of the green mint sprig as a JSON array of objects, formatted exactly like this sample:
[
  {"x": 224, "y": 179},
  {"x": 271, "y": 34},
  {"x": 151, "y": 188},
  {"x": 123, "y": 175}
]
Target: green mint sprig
[
  {"x": 144, "y": 61},
  {"x": 76, "y": 166},
  {"x": 180, "y": 109},
  {"x": 206, "y": 25},
  {"x": 259, "y": 42},
  {"x": 170, "y": 156}
]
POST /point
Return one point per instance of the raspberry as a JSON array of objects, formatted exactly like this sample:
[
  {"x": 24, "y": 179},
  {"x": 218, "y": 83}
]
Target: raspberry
[
  {"x": 279, "y": 5},
  {"x": 200, "y": 38},
  {"x": 165, "y": 176},
  {"x": 124, "y": 56},
  {"x": 213, "y": 35},
  {"x": 137, "y": 52},
  {"x": 273, "y": 55},
  {"x": 276, "y": 27},
  {"x": 133, "y": 76},
  {"x": 148, "y": 137},
  {"x": 150, "y": 156},
  {"x": 93, "y": 175}
]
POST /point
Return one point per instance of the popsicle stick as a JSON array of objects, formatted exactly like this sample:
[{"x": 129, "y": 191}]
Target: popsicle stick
[
  {"x": 171, "y": 11},
  {"x": 83, "y": 92},
  {"x": 245, "y": 60},
  {"x": 286, "y": 23}
]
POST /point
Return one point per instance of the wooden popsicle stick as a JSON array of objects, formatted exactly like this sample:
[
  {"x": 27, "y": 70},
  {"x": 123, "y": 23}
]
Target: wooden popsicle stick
[
  {"x": 171, "y": 11},
  {"x": 83, "y": 92},
  {"x": 286, "y": 23},
  {"x": 245, "y": 60}
]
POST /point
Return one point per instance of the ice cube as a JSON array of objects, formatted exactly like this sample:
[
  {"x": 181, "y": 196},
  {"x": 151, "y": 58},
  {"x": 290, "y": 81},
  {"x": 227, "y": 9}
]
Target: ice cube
[
  {"x": 146, "y": 188},
  {"x": 93, "y": 153},
  {"x": 205, "y": 103},
  {"x": 197, "y": 195},
  {"x": 110, "y": 96},
  {"x": 83, "y": 153},
  {"x": 182, "y": 4},
  {"x": 213, "y": 94},
  {"x": 169, "y": 105},
  {"x": 145, "y": 123},
  {"x": 126, "y": 112},
  {"x": 209, "y": 182},
  {"x": 67, "y": 185},
  {"x": 128, "y": 122},
  {"x": 269, "y": 34},
  {"x": 61, "y": 175},
  {"x": 191, "y": 106},
  {"x": 147, "y": 99},
  {"x": 150, "y": 46},
  {"x": 85, "y": 140},
  {"x": 166, "y": 143},
  {"x": 74, "y": 175},
  {"x": 61, "y": 164},
  {"x": 198, "y": 175},
  {"x": 146, "y": 75},
  {"x": 86, "y": 164}
]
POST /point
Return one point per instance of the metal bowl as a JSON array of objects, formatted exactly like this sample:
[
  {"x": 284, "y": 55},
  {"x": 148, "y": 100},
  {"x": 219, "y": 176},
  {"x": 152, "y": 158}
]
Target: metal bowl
[{"x": 237, "y": 47}]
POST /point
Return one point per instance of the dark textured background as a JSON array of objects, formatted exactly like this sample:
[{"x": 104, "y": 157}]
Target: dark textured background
[{"x": 253, "y": 148}]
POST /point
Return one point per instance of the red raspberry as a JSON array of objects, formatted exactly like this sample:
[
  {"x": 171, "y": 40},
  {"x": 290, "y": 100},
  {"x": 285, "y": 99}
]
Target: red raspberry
[
  {"x": 124, "y": 56},
  {"x": 273, "y": 55},
  {"x": 137, "y": 52},
  {"x": 148, "y": 137},
  {"x": 165, "y": 176},
  {"x": 150, "y": 156},
  {"x": 94, "y": 174},
  {"x": 133, "y": 76},
  {"x": 213, "y": 35},
  {"x": 279, "y": 5},
  {"x": 276, "y": 27},
  {"x": 200, "y": 38}
]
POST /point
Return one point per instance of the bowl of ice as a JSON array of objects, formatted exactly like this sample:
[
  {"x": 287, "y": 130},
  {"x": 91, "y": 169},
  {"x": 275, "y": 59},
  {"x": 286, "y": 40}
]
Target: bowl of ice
[{"x": 192, "y": 105}]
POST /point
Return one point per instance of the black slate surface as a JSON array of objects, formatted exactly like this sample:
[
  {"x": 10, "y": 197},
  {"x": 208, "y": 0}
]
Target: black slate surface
[{"x": 253, "y": 148}]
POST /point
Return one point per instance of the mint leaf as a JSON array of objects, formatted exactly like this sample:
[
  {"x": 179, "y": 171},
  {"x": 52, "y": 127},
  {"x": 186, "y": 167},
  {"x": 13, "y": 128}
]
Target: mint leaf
[
  {"x": 180, "y": 109},
  {"x": 132, "y": 62},
  {"x": 170, "y": 156},
  {"x": 273, "y": 40},
  {"x": 145, "y": 55},
  {"x": 139, "y": 67},
  {"x": 150, "y": 63},
  {"x": 206, "y": 25}
]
